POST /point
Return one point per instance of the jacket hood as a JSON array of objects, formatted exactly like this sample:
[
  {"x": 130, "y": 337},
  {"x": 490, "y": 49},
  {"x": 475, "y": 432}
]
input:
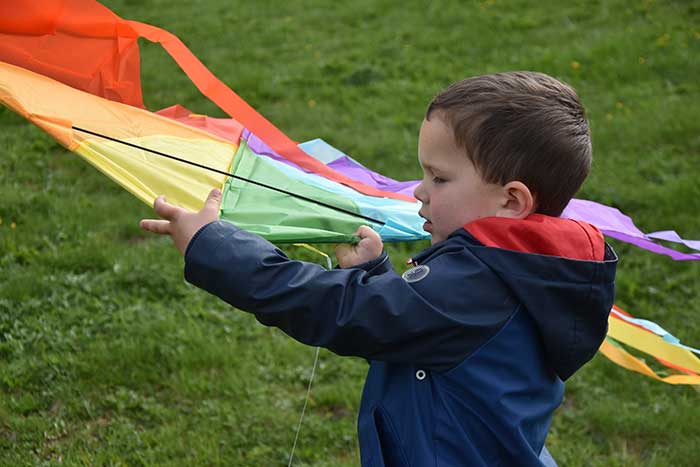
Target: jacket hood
[{"x": 562, "y": 272}]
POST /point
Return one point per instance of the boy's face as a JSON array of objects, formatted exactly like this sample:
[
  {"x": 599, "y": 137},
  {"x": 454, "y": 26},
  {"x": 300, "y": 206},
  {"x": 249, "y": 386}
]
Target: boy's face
[{"x": 452, "y": 192}]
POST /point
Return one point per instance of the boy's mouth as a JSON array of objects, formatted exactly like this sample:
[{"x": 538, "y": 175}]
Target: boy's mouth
[{"x": 427, "y": 226}]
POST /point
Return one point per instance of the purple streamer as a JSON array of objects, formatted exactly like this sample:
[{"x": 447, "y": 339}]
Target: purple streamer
[
  {"x": 343, "y": 164},
  {"x": 672, "y": 236},
  {"x": 258, "y": 146},
  {"x": 617, "y": 225},
  {"x": 359, "y": 172}
]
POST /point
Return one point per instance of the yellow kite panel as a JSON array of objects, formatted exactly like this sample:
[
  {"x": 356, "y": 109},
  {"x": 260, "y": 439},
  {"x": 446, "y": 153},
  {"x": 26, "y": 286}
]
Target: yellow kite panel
[{"x": 56, "y": 108}]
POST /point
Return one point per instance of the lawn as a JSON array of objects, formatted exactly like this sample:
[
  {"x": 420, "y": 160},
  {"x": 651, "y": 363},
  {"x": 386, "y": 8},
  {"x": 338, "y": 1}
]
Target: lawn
[{"x": 107, "y": 356}]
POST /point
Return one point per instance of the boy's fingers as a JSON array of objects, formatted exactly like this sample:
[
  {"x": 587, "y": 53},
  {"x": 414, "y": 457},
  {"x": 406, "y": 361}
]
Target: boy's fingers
[
  {"x": 343, "y": 254},
  {"x": 165, "y": 209},
  {"x": 362, "y": 231},
  {"x": 158, "y": 226},
  {"x": 342, "y": 251},
  {"x": 367, "y": 232}
]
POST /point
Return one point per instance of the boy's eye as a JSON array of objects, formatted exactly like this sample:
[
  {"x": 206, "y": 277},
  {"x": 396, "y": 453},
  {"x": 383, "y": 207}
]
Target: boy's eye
[{"x": 438, "y": 180}]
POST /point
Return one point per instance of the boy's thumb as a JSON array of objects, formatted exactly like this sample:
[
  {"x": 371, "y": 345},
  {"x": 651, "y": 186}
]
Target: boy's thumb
[{"x": 213, "y": 201}]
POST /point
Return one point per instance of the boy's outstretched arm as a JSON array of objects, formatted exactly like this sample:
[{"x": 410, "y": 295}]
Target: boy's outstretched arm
[{"x": 367, "y": 311}]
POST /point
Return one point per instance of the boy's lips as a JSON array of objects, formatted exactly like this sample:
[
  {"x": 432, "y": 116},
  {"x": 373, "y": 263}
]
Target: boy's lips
[{"x": 427, "y": 226}]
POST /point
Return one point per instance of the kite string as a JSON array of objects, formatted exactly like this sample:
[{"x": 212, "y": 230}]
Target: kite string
[
  {"x": 237, "y": 177},
  {"x": 303, "y": 409},
  {"x": 329, "y": 263}
]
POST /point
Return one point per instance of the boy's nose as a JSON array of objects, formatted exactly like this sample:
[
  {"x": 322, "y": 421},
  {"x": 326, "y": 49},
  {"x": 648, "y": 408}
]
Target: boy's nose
[{"x": 418, "y": 193}]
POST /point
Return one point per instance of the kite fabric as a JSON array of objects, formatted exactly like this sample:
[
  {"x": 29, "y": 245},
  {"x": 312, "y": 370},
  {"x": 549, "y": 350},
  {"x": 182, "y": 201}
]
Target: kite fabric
[
  {"x": 682, "y": 366},
  {"x": 60, "y": 110},
  {"x": 90, "y": 100}
]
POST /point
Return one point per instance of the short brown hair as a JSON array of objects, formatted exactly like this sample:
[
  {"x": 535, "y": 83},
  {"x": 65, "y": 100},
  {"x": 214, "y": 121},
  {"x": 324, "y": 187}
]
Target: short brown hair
[{"x": 523, "y": 126}]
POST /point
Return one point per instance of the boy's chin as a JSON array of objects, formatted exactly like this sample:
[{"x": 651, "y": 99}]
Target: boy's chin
[{"x": 435, "y": 239}]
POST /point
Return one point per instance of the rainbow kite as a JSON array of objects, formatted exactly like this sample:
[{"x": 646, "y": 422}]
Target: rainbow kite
[{"x": 72, "y": 68}]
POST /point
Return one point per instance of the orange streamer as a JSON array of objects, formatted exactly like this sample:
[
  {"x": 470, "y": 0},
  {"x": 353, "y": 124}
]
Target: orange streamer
[{"x": 87, "y": 46}]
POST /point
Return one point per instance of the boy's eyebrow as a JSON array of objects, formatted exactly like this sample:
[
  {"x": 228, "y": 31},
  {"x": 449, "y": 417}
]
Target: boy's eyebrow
[
  {"x": 424, "y": 165},
  {"x": 431, "y": 168}
]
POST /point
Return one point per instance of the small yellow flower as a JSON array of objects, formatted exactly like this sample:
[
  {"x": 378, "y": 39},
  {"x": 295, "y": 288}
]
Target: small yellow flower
[
  {"x": 642, "y": 60},
  {"x": 663, "y": 40},
  {"x": 575, "y": 65},
  {"x": 619, "y": 104},
  {"x": 13, "y": 226},
  {"x": 609, "y": 117},
  {"x": 311, "y": 103}
]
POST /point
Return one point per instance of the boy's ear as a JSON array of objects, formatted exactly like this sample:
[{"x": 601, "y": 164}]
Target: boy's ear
[{"x": 518, "y": 201}]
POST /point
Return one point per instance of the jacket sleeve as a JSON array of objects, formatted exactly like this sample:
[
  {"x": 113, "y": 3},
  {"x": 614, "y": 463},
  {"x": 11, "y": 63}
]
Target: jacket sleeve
[{"x": 368, "y": 311}]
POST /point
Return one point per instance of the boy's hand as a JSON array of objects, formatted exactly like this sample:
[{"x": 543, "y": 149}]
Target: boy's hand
[
  {"x": 180, "y": 223},
  {"x": 369, "y": 247}
]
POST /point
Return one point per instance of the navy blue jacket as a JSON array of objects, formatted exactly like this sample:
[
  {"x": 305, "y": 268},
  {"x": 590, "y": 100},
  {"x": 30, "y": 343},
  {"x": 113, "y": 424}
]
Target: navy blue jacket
[{"x": 467, "y": 352}]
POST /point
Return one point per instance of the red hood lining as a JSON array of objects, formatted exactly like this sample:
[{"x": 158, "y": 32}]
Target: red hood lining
[{"x": 540, "y": 234}]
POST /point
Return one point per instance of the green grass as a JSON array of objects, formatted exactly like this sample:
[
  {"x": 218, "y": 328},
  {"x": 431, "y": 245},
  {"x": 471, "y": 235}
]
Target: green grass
[{"x": 107, "y": 357}]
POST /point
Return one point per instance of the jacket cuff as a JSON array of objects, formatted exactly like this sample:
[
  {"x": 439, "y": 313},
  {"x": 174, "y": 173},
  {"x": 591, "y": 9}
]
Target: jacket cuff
[
  {"x": 378, "y": 265},
  {"x": 214, "y": 230}
]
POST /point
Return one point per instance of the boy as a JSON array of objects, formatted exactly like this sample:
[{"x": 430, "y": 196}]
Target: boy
[{"x": 467, "y": 350}]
